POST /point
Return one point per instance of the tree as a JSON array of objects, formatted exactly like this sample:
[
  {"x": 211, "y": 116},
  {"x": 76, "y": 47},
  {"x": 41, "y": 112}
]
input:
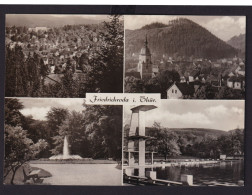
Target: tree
[
  {"x": 228, "y": 93},
  {"x": 19, "y": 149},
  {"x": 84, "y": 62},
  {"x": 107, "y": 62},
  {"x": 44, "y": 69},
  {"x": 103, "y": 126},
  {"x": 73, "y": 128},
  {"x": 167, "y": 144},
  {"x": 68, "y": 88},
  {"x": 33, "y": 75},
  {"x": 16, "y": 76},
  {"x": 95, "y": 133},
  {"x": 133, "y": 85},
  {"x": 205, "y": 92},
  {"x": 12, "y": 108},
  {"x": 55, "y": 118}
]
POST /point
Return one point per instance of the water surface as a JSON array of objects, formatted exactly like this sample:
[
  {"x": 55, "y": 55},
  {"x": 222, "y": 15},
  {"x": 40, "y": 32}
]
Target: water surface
[{"x": 228, "y": 173}]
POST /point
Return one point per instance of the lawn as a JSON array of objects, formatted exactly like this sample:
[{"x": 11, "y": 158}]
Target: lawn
[{"x": 83, "y": 174}]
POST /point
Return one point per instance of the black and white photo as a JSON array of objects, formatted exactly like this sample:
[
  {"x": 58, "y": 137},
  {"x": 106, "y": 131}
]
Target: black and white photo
[
  {"x": 63, "y": 55},
  {"x": 184, "y": 142},
  {"x": 185, "y": 57},
  {"x": 62, "y": 142}
]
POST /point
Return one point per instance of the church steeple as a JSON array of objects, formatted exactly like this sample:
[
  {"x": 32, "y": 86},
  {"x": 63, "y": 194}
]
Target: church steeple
[
  {"x": 145, "y": 51},
  {"x": 146, "y": 41},
  {"x": 145, "y": 64}
]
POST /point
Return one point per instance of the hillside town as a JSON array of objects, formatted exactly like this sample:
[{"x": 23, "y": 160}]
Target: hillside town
[
  {"x": 57, "y": 46},
  {"x": 64, "y": 61},
  {"x": 194, "y": 74}
]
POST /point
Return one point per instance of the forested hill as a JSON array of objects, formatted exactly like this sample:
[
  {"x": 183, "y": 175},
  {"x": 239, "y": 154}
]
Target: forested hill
[
  {"x": 194, "y": 132},
  {"x": 238, "y": 42},
  {"x": 181, "y": 37}
]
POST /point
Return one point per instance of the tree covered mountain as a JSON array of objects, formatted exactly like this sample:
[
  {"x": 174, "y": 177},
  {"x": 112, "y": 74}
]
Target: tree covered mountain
[
  {"x": 196, "y": 142},
  {"x": 195, "y": 132},
  {"x": 238, "y": 42},
  {"x": 181, "y": 37}
]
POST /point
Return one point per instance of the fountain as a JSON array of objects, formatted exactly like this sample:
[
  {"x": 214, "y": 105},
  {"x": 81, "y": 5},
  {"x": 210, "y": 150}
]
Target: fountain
[
  {"x": 66, "y": 154},
  {"x": 65, "y": 149}
]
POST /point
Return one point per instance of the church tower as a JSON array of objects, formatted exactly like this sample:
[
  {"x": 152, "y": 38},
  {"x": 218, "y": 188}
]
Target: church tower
[{"x": 145, "y": 64}]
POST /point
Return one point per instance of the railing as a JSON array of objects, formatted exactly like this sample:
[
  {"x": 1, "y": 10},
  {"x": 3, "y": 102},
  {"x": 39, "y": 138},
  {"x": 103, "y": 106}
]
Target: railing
[{"x": 136, "y": 180}]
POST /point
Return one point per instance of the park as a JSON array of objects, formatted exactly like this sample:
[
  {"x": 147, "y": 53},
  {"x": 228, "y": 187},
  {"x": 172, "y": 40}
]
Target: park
[{"x": 63, "y": 146}]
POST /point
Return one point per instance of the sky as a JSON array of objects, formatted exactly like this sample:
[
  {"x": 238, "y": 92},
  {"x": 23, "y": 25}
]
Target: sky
[
  {"x": 52, "y": 20},
  {"x": 86, "y": 16},
  {"x": 224, "y": 27},
  {"x": 66, "y": 16},
  {"x": 39, "y": 107},
  {"x": 212, "y": 114}
]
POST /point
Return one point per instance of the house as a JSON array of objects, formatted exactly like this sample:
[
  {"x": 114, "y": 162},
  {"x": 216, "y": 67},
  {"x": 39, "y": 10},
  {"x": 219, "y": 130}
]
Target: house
[
  {"x": 41, "y": 29},
  {"x": 45, "y": 60},
  {"x": 182, "y": 79},
  {"x": 240, "y": 70},
  {"x": 196, "y": 84},
  {"x": 231, "y": 74},
  {"x": 155, "y": 70},
  {"x": 180, "y": 90},
  {"x": 217, "y": 65},
  {"x": 193, "y": 75},
  {"x": 236, "y": 82},
  {"x": 52, "y": 69}
]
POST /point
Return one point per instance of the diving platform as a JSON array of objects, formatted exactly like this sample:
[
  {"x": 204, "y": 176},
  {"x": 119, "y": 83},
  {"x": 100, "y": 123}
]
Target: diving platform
[{"x": 138, "y": 137}]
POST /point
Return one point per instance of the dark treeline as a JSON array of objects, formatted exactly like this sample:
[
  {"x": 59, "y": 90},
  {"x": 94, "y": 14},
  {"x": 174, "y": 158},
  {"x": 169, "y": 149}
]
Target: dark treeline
[
  {"x": 94, "y": 133},
  {"x": 201, "y": 143}
]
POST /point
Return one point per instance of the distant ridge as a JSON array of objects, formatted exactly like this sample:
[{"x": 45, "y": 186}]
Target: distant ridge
[
  {"x": 238, "y": 42},
  {"x": 154, "y": 25},
  {"x": 181, "y": 37},
  {"x": 46, "y": 20},
  {"x": 195, "y": 131}
]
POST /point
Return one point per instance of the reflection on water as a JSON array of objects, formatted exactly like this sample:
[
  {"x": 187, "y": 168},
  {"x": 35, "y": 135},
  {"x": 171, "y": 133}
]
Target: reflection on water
[{"x": 220, "y": 173}]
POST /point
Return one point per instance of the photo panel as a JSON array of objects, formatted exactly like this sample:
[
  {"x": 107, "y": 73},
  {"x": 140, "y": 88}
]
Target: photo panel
[
  {"x": 50, "y": 55},
  {"x": 184, "y": 143},
  {"x": 185, "y": 57},
  {"x": 62, "y": 141}
]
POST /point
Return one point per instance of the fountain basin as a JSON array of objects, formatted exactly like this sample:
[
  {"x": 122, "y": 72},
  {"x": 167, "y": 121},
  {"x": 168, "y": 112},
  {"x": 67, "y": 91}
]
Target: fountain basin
[{"x": 64, "y": 157}]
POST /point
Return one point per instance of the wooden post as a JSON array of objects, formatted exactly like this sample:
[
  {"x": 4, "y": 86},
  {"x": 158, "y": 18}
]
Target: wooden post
[
  {"x": 240, "y": 183},
  {"x": 128, "y": 158},
  {"x": 187, "y": 180},
  {"x": 151, "y": 174},
  {"x": 152, "y": 158},
  {"x": 128, "y": 172}
]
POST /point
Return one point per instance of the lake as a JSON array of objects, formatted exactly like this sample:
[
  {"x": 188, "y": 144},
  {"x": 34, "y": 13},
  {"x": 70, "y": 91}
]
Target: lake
[{"x": 227, "y": 173}]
